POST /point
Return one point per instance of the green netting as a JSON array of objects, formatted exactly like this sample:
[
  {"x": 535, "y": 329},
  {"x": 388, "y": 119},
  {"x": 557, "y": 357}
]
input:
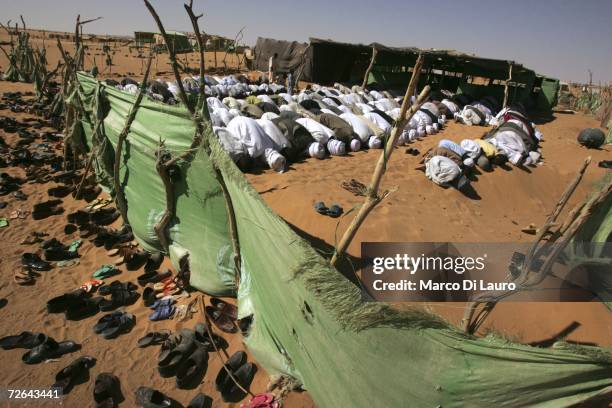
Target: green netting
[{"x": 310, "y": 322}]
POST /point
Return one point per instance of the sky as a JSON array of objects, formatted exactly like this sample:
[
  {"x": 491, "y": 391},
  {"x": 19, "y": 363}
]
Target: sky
[{"x": 559, "y": 38}]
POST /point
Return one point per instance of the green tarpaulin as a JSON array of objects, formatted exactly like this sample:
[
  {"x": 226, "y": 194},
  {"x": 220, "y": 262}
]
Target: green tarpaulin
[{"x": 309, "y": 322}]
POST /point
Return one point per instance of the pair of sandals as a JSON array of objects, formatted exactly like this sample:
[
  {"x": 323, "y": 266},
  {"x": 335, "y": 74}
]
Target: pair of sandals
[
  {"x": 25, "y": 276},
  {"x": 153, "y": 277},
  {"x": 334, "y": 211},
  {"x": 114, "y": 324},
  {"x": 49, "y": 349},
  {"x": 121, "y": 294},
  {"x": 223, "y": 315},
  {"x": 25, "y": 339},
  {"x": 74, "y": 372},
  {"x": 163, "y": 309},
  {"x": 185, "y": 357},
  {"x": 75, "y": 305},
  {"x": 47, "y": 209},
  {"x": 167, "y": 287},
  {"x": 33, "y": 262},
  {"x": 242, "y": 371}
]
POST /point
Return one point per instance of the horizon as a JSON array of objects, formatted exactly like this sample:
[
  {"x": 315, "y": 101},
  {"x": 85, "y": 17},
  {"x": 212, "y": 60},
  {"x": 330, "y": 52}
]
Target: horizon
[{"x": 549, "y": 27}]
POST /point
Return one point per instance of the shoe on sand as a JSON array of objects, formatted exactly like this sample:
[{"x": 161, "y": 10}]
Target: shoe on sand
[
  {"x": 107, "y": 391},
  {"x": 223, "y": 380},
  {"x": 68, "y": 376},
  {"x": 193, "y": 368},
  {"x": 47, "y": 350},
  {"x": 221, "y": 320},
  {"x": 24, "y": 339},
  {"x": 150, "y": 398},
  {"x": 200, "y": 401}
]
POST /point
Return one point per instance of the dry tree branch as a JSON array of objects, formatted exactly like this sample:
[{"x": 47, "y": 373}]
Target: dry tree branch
[
  {"x": 121, "y": 202},
  {"x": 373, "y": 198}
]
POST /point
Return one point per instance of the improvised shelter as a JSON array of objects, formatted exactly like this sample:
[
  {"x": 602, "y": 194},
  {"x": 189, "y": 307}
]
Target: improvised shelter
[
  {"x": 307, "y": 320},
  {"x": 326, "y": 61},
  {"x": 178, "y": 41},
  {"x": 144, "y": 38},
  {"x": 291, "y": 56}
]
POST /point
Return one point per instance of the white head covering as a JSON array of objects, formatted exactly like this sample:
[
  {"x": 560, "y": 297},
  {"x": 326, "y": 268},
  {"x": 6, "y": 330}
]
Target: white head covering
[
  {"x": 355, "y": 145},
  {"x": 316, "y": 150},
  {"x": 429, "y": 130},
  {"x": 441, "y": 170},
  {"x": 275, "y": 160},
  {"x": 336, "y": 147},
  {"x": 471, "y": 147},
  {"x": 374, "y": 142},
  {"x": 269, "y": 116}
]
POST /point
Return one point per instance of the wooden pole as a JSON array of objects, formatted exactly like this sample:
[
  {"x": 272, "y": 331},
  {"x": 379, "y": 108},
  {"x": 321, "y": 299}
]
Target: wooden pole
[
  {"x": 372, "y": 197},
  {"x": 119, "y": 196},
  {"x": 367, "y": 73},
  {"x": 507, "y": 84}
]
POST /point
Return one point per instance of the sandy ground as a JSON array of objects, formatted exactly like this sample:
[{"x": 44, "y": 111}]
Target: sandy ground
[
  {"x": 420, "y": 211},
  {"x": 417, "y": 210},
  {"x": 26, "y": 309}
]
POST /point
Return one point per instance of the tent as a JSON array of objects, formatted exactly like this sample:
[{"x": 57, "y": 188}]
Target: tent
[
  {"x": 180, "y": 42},
  {"x": 290, "y": 56},
  {"x": 144, "y": 38},
  {"x": 308, "y": 321},
  {"x": 327, "y": 62}
]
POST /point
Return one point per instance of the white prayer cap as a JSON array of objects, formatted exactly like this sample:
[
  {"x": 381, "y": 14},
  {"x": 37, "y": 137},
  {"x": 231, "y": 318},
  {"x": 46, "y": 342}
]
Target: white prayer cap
[
  {"x": 355, "y": 145},
  {"x": 316, "y": 150},
  {"x": 275, "y": 160},
  {"x": 429, "y": 130},
  {"x": 469, "y": 162},
  {"x": 374, "y": 142},
  {"x": 336, "y": 147},
  {"x": 471, "y": 147}
]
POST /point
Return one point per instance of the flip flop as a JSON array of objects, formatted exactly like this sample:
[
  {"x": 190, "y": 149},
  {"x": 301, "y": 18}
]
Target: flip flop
[
  {"x": 105, "y": 272},
  {"x": 90, "y": 285},
  {"x": 47, "y": 350},
  {"x": 107, "y": 390},
  {"x": 24, "y": 339},
  {"x": 162, "y": 312},
  {"x": 153, "y": 277},
  {"x": 65, "y": 379},
  {"x": 148, "y": 296},
  {"x": 67, "y": 263},
  {"x": 153, "y": 338},
  {"x": 24, "y": 277},
  {"x": 4, "y": 222},
  {"x": 118, "y": 326}
]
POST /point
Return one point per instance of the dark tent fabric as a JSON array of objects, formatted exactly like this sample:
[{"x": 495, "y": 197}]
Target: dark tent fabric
[{"x": 292, "y": 56}]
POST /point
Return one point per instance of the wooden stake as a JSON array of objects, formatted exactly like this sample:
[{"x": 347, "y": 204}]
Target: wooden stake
[
  {"x": 367, "y": 73},
  {"x": 119, "y": 196},
  {"x": 373, "y": 198},
  {"x": 507, "y": 84}
]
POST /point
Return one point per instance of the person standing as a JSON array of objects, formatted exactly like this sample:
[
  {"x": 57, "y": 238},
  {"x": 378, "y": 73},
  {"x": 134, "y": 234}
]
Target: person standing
[
  {"x": 290, "y": 82},
  {"x": 271, "y": 63}
]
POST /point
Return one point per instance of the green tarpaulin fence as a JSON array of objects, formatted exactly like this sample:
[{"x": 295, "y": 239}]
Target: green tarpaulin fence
[{"x": 309, "y": 322}]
